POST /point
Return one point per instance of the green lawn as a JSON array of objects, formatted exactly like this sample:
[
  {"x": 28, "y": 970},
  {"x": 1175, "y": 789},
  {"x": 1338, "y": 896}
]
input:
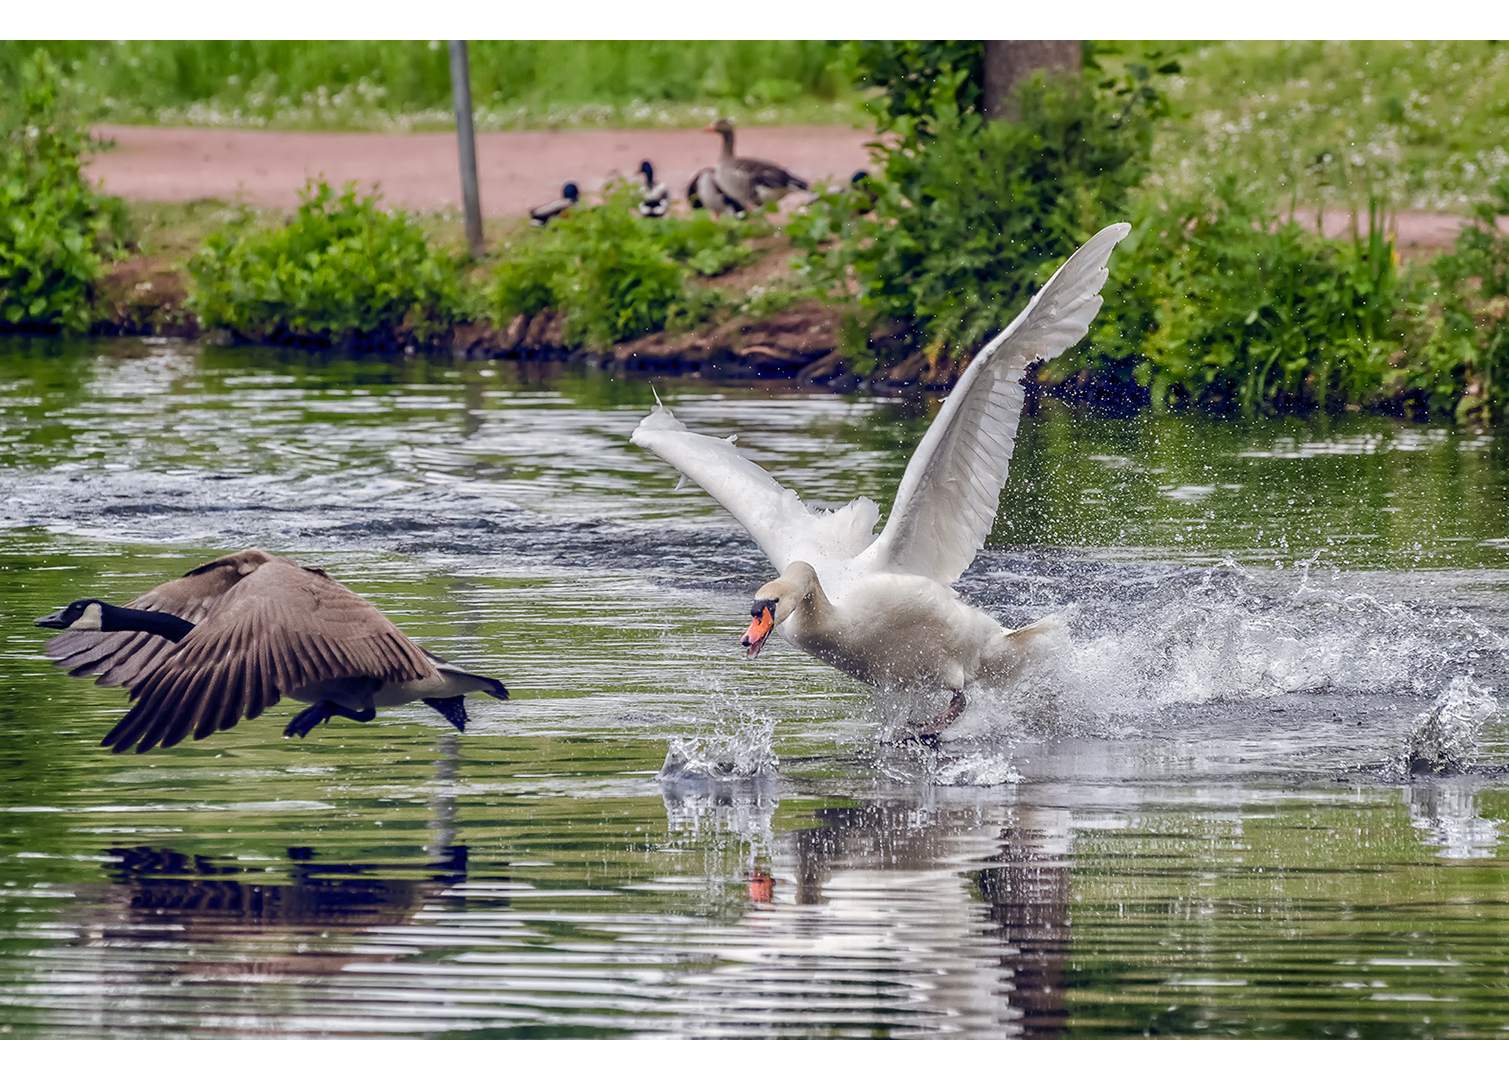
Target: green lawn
[{"x": 1425, "y": 125}]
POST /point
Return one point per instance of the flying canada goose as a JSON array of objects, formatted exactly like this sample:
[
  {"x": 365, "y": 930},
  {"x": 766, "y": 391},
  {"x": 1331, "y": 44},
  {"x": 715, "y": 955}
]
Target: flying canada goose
[
  {"x": 230, "y": 637},
  {"x": 657, "y": 198},
  {"x": 749, "y": 180},
  {"x": 880, "y": 608},
  {"x": 704, "y": 191},
  {"x": 545, "y": 211}
]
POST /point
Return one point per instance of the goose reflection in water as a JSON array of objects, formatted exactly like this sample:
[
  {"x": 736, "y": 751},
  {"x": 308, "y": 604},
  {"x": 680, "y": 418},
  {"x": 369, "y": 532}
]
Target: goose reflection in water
[
  {"x": 871, "y": 900},
  {"x": 225, "y": 897}
]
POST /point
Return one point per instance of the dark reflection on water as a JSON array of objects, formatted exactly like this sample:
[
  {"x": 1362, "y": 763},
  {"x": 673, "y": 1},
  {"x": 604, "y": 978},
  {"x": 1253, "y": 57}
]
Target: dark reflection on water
[{"x": 1259, "y": 792}]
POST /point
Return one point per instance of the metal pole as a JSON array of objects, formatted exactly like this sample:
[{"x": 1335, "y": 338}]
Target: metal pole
[{"x": 461, "y": 90}]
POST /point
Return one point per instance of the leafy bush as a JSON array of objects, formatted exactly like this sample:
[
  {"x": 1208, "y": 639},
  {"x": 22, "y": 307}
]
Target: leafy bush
[
  {"x": 1227, "y": 306},
  {"x": 342, "y": 270},
  {"x": 970, "y": 217},
  {"x": 55, "y": 227},
  {"x": 917, "y": 78},
  {"x": 614, "y": 273},
  {"x": 1457, "y": 313}
]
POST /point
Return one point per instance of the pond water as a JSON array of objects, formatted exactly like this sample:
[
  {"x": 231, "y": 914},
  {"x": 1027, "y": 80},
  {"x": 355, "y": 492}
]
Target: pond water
[{"x": 1198, "y": 818}]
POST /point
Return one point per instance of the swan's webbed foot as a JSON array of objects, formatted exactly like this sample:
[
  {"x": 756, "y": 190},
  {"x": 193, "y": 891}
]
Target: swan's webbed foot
[{"x": 929, "y": 732}]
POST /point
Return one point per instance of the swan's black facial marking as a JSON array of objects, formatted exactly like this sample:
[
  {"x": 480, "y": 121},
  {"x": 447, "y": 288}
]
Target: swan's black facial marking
[{"x": 762, "y": 622}]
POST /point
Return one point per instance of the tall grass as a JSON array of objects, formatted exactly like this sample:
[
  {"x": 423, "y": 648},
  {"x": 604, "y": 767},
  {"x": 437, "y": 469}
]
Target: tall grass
[{"x": 382, "y": 84}]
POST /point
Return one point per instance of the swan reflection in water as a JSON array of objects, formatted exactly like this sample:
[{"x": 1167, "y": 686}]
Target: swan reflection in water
[{"x": 867, "y": 906}]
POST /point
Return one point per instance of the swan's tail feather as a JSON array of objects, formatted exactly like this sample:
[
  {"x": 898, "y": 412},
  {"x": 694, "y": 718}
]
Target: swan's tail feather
[
  {"x": 1048, "y": 625},
  {"x": 1019, "y": 649}
]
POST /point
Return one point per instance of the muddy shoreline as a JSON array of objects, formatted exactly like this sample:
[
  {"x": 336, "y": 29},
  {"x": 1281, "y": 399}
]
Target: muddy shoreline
[{"x": 146, "y": 297}]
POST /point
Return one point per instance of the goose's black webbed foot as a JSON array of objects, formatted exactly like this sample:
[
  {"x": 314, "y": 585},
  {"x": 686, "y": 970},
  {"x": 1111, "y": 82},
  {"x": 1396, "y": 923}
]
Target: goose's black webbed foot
[
  {"x": 452, "y": 708},
  {"x": 308, "y": 720}
]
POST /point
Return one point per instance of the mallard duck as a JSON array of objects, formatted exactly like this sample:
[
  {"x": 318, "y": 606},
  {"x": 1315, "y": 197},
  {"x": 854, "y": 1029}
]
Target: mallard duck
[
  {"x": 880, "y": 608},
  {"x": 545, "y": 211},
  {"x": 864, "y": 192},
  {"x": 657, "y": 198},
  {"x": 749, "y": 180},
  {"x": 229, "y": 638},
  {"x": 704, "y": 191}
]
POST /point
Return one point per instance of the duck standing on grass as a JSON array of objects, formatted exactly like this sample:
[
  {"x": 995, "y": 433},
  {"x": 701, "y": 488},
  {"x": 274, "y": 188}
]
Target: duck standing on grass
[
  {"x": 545, "y": 211},
  {"x": 657, "y": 197},
  {"x": 704, "y": 191},
  {"x": 880, "y": 608},
  {"x": 229, "y": 638},
  {"x": 749, "y": 180}
]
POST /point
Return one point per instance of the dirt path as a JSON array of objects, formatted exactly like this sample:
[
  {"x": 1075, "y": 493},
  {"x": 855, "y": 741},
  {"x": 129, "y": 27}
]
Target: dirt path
[{"x": 516, "y": 169}]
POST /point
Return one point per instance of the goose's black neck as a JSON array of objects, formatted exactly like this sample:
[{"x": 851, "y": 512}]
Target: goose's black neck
[{"x": 152, "y": 622}]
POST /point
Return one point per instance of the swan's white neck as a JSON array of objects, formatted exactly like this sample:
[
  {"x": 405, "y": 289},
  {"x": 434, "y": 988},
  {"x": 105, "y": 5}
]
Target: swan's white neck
[{"x": 811, "y": 613}]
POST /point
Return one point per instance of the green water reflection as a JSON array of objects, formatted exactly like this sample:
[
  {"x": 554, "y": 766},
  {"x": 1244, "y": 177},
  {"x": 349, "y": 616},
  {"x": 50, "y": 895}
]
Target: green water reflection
[{"x": 534, "y": 877}]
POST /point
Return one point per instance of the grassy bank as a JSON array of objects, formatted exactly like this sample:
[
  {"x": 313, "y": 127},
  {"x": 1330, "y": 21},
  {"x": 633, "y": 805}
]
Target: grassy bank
[
  {"x": 405, "y": 86},
  {"x": 1218, "y": 299},
  {"x": 1418, "y": 124}
]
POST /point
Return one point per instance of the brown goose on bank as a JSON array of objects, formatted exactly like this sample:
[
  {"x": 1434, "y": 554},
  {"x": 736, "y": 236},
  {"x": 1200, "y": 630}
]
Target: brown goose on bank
[
  {"x": 231, "y": 637},
  {"x": 749, "y": 180},
  {"x": 704, "y": 191}
]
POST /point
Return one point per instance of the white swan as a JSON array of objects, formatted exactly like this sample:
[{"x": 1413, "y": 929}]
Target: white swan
[{"x": 879, "y": 607}]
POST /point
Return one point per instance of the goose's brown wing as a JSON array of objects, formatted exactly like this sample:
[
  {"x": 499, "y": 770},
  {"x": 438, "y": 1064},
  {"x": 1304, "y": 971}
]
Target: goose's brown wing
[
  {"x": 281, "y": 628},
  {"x": 767, "y": 174},
  {"x": 128, "y": 656}
]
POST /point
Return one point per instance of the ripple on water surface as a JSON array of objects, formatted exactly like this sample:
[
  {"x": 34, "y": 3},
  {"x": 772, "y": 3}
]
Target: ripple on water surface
[{"x": 1255, "y": 789}]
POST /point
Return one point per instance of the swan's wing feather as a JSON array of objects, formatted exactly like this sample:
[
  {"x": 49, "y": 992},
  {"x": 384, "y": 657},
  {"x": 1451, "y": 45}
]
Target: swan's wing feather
[
  {"x": 949, "y": 494},
  {"x": 779, "y": 522}
]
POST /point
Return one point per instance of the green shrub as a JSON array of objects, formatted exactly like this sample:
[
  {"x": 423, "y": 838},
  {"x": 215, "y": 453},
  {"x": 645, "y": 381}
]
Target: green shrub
[
  {"x": 341, "y": 270},
  {"x": 614, "y": 273},
  {"x": 970, "y": 217},
  {"x": 1223, "y": 304},
  {"x": 1457, "y": 313},
  {"x": 917, "y": 77},
  {"x": 56, "y": 229}
]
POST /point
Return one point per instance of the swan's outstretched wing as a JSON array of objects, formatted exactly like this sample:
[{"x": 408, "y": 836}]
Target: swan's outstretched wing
[
  {"x": 952, "y": 486},
  {"x": 780, "y": 523}
]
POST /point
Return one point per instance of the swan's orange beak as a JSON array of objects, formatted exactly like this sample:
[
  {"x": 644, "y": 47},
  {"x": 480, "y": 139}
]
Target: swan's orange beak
[
  {"x": 710, "y": 130},
  {"x": 759, "y": 629}
]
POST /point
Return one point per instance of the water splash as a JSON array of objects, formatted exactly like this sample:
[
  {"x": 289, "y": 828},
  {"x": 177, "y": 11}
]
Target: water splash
[
  {"x": 976, "y": 770},
  {"x": 1138, "y": 652},
  {"x": 1444, "y": 739},
  {"x": 733, "y": 752}
]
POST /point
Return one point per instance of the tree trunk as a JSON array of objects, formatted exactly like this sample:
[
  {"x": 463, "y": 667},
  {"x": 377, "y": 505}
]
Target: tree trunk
[{"x": 1009, "y": 62}]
